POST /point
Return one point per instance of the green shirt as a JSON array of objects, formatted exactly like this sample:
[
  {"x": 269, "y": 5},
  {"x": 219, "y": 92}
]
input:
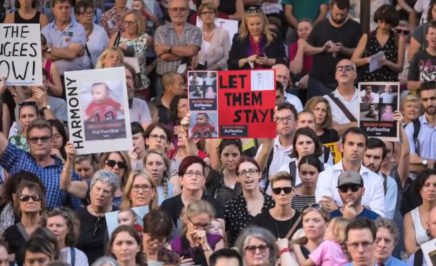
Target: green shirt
[{"x": 308, "y": 9}]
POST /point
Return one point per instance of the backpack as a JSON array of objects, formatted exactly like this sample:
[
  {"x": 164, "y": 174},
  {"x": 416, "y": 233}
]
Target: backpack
[{"x": 416, "y": 128}]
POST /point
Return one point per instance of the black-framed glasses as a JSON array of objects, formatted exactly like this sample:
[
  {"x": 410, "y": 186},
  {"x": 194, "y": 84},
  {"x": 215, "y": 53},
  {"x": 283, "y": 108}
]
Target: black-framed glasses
[
  {"x": 403, "y": 32},
  {"x": 97, "y": 225},
  {"x": 112, "y": 163},
  {"x": 286, "y": 190},
  {"x": 25, "y": 198},
  {"x": 253, "y": 9},
  {"x": 138, "y": 188},
  {"x": 43, "y": 139},
  {"x": 207, "y": 12},
  {"x": 252, "y": 249},
  {"x": 248, "y": 172},
  {"x": 346, "y": 188},
  {"x": 199, "y": 225}
]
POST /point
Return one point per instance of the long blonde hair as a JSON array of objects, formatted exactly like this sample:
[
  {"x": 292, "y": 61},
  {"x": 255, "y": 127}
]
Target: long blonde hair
[
  {"x": 243, "y": 29},
  {"x": 126, "y": 201},
  {"x": 106, "y": 52}
]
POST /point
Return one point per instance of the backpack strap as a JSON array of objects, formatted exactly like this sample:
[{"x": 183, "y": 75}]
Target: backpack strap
[
  {"x": 326, "y": 154},
  {"x": 293, "y": 171},
  {"x": 22, "y": 231},
  {"x": 416, "y": 128},
  {"x": 73, "y": 256},
  {"x": 266, "y": 170},
  {"x": 419, "y": 258},
  {"x": 341, "y": 106}
]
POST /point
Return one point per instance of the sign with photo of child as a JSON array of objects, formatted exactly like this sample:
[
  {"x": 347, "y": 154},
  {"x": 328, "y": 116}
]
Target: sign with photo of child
[
  {"x": 98, "y": 110},
  {"x": 378, "y": 103},
  {"x": 232, "y": 104}
]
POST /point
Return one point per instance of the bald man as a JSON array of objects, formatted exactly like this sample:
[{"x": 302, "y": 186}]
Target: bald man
[{"x": 284, "y": 77}]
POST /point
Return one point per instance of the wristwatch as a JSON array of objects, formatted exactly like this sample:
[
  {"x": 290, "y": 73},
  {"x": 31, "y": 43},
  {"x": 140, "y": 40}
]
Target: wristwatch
[
  {"x": 44, "y": 108},
  {"x": 169, "y": 50},
  {"x": 48, "y": 50},
  {"x": 425, "y": 163}
]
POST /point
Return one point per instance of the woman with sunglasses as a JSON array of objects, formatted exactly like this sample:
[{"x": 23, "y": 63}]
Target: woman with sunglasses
[
  {"x": 383, "y": 39},
  {"x": 29, "y": 203},
  {"x": 281, "y": 219},
  {"x": 27, "y": 113},
  {"x": 60, "y": 221},
  {"x": 315, "y": 221},
  {"x": 157, "y": 166},
  {"x": 309, "y": 168},
  {"x": 196, "y": 245},
  {"x": 257, "y": 247},
  {"x": 255, "y": 47},
  {"x": 241, "y": 210},
  {"x": 139, "y": 190},
  {"x": 119, "y": 164}
]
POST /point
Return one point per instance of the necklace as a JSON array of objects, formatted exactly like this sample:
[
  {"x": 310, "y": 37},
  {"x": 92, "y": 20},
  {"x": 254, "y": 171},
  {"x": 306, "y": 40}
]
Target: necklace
[{"x": 208, "y": 34}]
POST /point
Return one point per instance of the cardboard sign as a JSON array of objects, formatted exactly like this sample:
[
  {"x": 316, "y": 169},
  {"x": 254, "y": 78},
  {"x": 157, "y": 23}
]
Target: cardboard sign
[
  {"x": 20, "y": 54},
  {"x": 98, "y": 110},
  {"x": 429, "y": 252},
  {"x": 378, "y": 102},
  {"x": 232, "y": 104}
]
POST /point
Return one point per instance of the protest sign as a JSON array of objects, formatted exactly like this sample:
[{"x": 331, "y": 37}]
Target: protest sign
[
  {"x": 334, "y": 149},
  {"x": 112, "y": 218},
  {"x": 378, "y": 102},
  {"x": 98, "y": 110},
  {"x": 429, "y": 252},
  {"x": 20, "y": 54},
  {"x": 232, "y": 104}
]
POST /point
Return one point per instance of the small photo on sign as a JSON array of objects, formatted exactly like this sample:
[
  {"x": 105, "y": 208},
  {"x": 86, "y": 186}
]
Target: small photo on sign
[
  {"x": 387, "y": 112},
  {"x": 262, "y": 80},
  {"x": 369, "y": 94},
  {"x": 203, "y": 125},
  {"x": 388, "y": 93},
  {"x": 369, "y": 112}
]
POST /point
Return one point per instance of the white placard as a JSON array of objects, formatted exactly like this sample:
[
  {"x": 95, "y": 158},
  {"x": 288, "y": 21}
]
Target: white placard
[
  {"x": 98, "y": 110},
  {"x": 20, "y": 54},
  {"x": 262, "y": 80},
  {"x": 429, "y": 251},
  {"x": 229, "y": 24}
]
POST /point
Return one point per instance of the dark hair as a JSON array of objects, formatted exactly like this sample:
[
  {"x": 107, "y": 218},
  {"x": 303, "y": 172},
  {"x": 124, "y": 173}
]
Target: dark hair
[
  {"x": 431, "y": 24},
  {"x": 157, "y": 223},
  {"x": 43, "y": 241},
  {"x": 39, "y": 124},
  {"x": 224, "y": 253},
  {"x": 428, "y": 85},
  {"x": 61, "y": 129},
  {"x": 421, "y": 179},
  {"x": 374, "y": 143},
  {"x": 13, "y": 181},
  {"x": 313, "y": 160},
  {"x": 81, "y": 6},
  {"x": 388, "y": 14},
  {"x": 137, "y": 128},
  {"x": 58, "y": 263},
  {"x": 227, "y": 142},
  {"x": 360, "y": 224},
  {"x": 152, "y": 126},
  {"x": 140, "y": 260},
  {"x": 26, "y": 104},
  {"x": 308, "y": 132},
  {"x": 174, "y": 108},
  {"x": 429, "y": 14},
  {"x": 68, "y": 216},
  {"x": 3, "y": 243},
  {"x": 32, "y": 186},
  {"x": 17, "y": 4},
  {"x": 288, "y": 106},
  {"x": 54, "y": 2},
  {"x": 354, "y": 130},
  {"x": 188, "y": 161},
  {"x": 341, "y": 4},
  {"x": 279, "y": 87},
  {"x": 246, "y": 159}
]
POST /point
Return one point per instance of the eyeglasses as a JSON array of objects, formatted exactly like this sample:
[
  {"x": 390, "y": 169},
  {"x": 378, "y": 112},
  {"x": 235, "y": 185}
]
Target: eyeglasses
[
  {"x": 207, "y": 12},
  {"x": 364, "y": 244},
  {"x": 87, "y": 13},
  {"x": 345, "y": 188},
  {"x": 248, "y": 172},
  {"x": 286, "y": 190},
  {"x": 43, "y": 139},
  {"x": 312, "y": 206},
  {"x": 112, "y": 163},
  {"x": 127, "y": 22},
  {"x": 253, "y": 9},
  {"x": 178, "y": 9},
  {"x": 403, "y": 32},
  {"x": 252, "y": 249},
  {"x": 159, "y": 137},
  {"x": 199, "y": 225},
  {"x": 196, "y": 174},
  {"x": 346, "y": 68},
  {"x": 25, "y": 198},
  {"x": 144, "y": 188},
  {"x": 97, "y": 225},
  {"x": 284, "y": 119}
]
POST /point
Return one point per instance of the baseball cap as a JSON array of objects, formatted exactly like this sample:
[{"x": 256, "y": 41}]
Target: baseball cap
[{"x": 350, "y": 178}]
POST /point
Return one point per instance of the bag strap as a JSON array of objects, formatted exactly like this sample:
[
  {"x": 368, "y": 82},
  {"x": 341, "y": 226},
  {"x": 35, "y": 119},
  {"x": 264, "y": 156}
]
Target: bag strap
[
  {"x": 293, "y": 228},
  {"x": 22, "y": 231},
  {"x": 341, "y": 106},
  {"x": 73, "y": 256},
  {"x": 89, "y": 56},
  {"x": 416, "y": 129},
  {"x": 293, "y": 171},
  {"x": 117, "y": 39}
]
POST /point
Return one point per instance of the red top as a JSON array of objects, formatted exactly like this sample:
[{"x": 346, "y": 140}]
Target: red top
[
  {"x": 103, "y": 111},
  {"x": 307, "y": 59}
]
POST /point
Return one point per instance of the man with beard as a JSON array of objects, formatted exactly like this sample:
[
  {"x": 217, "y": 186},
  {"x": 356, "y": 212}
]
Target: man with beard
[
  {"x": 422, "y": 146},
  {"x": 373, "y": 158},
  {"x": 351, "y": 190},
  {"x": 331, "y": 40}
]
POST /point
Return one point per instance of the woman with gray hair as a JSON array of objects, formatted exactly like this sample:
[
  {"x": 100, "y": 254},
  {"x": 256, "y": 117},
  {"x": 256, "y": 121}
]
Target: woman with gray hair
[
  {"x": 106, "y": 261},
  {"x": 93, "y": 231}
]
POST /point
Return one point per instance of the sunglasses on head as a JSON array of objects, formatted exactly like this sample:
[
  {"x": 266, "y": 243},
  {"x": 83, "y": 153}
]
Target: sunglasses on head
[
  {"x": 345, "y": 188},
  {"x": 253, "y": 9},
  {"x": 112, "y": 163},
  {"x": 25, "y": 198},
  {"x": 278, "y": 190},
  {"x": 311, "y": 206}
]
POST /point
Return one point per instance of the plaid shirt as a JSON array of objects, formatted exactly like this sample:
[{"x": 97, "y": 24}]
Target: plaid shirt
[
  {"x": 166, "y": 34},
  {"x": 15, "y": 160}
]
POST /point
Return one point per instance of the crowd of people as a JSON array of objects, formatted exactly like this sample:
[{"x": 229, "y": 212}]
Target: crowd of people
[{"x": 289, "y": 200}]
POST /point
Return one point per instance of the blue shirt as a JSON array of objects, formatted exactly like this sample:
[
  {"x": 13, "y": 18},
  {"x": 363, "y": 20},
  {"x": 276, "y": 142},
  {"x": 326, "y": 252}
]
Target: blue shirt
[
  {"x": 426, "y": 138},
  {"x": 15, "y": 160},
  {"x": 392, "y": 261},
  {"x": 366, "y": 213}
]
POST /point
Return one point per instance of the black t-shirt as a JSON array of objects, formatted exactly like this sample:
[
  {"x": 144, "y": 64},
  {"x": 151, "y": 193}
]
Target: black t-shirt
[
  {"x": 277, "y": 228},
  {"x": 93, "y": 234},
  {"x": 324, "y": 63},
  {"x": 330, "y": 135},
  {"x": 16, "y": 243},
  {"x": 173, "y": 206},
  {"x": 422, "y": 67}
]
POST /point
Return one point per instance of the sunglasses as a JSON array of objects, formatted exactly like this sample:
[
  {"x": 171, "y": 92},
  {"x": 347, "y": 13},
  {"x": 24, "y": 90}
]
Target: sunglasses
[
  {"x": 403, "y": 32},
  {"x": 345, "y": 188},
  {"x": 253, "y": 9},
  {"x": 252, "y": 249},
  {"x": 311, "y": 206},
  {"x": 97, "y": 225},
  {"x": 286, "y": 190},
  {"x": 25, "y": 198},
  {"x": 35, "y": 140},
  {"x": 112, "y": 163}
]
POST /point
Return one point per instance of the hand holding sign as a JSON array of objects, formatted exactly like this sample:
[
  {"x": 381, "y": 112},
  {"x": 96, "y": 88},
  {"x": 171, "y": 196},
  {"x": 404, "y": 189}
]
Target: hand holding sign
[
  {"x": 2, "y": 86},
  {"x": 70, "y": 150}
]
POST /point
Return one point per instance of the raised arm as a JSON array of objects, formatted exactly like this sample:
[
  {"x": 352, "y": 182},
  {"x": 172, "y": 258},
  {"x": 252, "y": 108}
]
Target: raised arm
[
  {"x": 76, "y": 188},
  {"x": 3, "y": 139}
]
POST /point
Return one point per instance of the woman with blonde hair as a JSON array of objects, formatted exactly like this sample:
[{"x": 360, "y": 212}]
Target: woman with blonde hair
[
  {"x": 157, "y": 166},
  {"x": 139, "y": 190},
  {"x": 111, "y": 57},
  {"x": 411, "y": 108},
  {"x": 255, "y": 47},
  {"x": 320, "y": 107},
  {"x": 196, "y": 244}
]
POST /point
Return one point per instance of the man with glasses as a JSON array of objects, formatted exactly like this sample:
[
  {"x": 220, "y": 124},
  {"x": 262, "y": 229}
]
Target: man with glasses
[
  {"x": 344, "y": 101},
  {"x": 354, "y": 143},
  {"x": 40, "y": 162},
  {"x": 360, "y": 238},
  {"x": 177, "y": 42},
  {"x": 351, "y": 190},
  {"x": 66, "y": 38}
]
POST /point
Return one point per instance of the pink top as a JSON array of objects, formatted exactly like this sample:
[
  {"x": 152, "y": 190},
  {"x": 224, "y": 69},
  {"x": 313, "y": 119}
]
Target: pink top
[
  {"x": 329, "y": 253},
  {"x": 307, "y": 60}
]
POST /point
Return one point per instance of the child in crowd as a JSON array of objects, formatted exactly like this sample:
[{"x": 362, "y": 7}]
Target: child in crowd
[
  {"x": 102, "y": 107},
  {"x": 128, "y": 217}
]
